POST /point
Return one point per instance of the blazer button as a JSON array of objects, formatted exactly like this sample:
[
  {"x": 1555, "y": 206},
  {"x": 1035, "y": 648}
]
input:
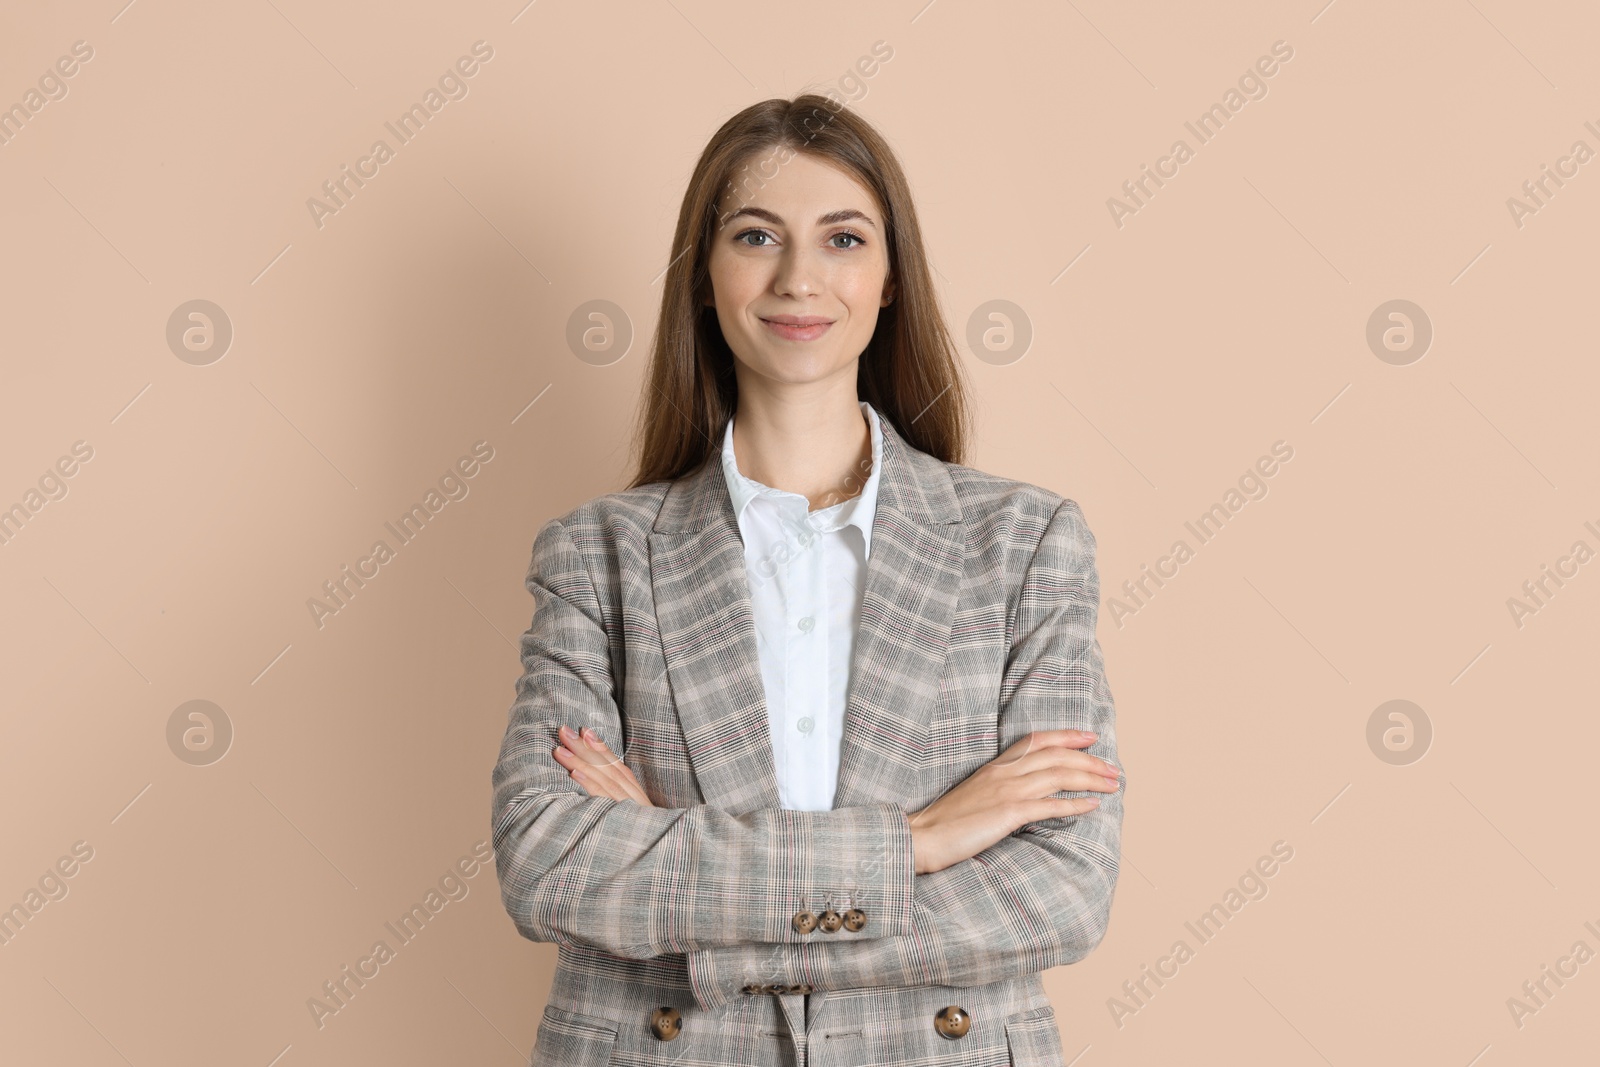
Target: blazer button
[
  {"x": 773, "y": 987},
  {"x": 804, "y": 922},
  {"x": 667, "y": 1023},
  {"x": 831, "y": 921},
  {"x": 801, "y": 987},
  {"x": 752, "y": 988},
  {"x": 855, "y": 919},
  {"x": 952, "y": 1022}
]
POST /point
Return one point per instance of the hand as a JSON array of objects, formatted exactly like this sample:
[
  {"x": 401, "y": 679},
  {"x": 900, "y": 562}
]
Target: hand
[
  {"x": 596, "y": 770},
  {"x": 1009, "y": 791}
]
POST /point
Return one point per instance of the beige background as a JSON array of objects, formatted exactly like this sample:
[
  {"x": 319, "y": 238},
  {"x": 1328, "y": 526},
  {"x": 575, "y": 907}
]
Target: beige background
[{"x": 368, "y": 354}]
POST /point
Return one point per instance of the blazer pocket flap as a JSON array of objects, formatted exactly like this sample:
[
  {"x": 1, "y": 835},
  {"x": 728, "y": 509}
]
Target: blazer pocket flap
[
  {"x": 1034, "y": 1038},
  {"x": 572, "y": 1039}
]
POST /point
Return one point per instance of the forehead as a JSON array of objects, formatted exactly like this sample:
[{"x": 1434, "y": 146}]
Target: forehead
[{"x": 798, "y": 191}]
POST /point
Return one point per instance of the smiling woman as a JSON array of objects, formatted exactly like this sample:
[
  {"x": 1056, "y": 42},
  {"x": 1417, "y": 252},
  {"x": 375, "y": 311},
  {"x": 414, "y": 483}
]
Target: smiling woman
[{"x": 810, "y": 707}]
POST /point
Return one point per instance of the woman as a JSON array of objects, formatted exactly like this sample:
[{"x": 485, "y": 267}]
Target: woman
[{"x": 813, "y": 753}]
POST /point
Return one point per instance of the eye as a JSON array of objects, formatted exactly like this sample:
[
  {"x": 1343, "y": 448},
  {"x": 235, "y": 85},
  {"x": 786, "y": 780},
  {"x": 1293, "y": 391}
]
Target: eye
[
  {"x": 752, "y": 233},
  {"x": 848, "y": 233}
]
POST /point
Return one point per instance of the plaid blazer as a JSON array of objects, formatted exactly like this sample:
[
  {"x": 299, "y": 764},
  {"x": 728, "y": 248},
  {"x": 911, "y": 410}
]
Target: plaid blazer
[{"x": 674, "y": 923}]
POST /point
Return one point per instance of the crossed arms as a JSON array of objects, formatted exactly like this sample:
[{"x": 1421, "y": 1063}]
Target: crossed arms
[{"x": 640, "y": 882}]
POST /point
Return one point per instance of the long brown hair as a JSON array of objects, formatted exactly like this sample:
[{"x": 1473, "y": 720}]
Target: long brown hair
[{"x": 908, "y": 372}]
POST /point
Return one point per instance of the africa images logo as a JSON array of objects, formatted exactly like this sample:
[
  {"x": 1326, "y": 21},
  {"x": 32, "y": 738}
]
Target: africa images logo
[{"x": 452, "y": 85}]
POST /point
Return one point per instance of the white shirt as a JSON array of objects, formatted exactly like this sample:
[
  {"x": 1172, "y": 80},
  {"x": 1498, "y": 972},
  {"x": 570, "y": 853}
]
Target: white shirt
[{"x": 807, "y": 572}]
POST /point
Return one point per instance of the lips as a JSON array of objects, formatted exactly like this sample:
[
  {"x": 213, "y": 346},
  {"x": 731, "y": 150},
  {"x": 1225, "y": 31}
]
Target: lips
[{"x": 797, "y": 327}]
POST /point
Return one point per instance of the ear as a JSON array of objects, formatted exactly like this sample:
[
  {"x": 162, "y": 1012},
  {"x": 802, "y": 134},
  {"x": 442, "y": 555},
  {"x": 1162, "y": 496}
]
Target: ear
[{"x": 888, "y": 292}]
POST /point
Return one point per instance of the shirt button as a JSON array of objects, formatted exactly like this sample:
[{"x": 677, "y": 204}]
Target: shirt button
[
  {"x": 806, "y": 624},
  {"x": 804, "y": 725}
]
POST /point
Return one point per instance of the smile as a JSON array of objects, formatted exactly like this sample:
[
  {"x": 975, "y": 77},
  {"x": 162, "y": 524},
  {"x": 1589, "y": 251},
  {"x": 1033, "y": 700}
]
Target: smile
[{"x": 801, "y": 331}]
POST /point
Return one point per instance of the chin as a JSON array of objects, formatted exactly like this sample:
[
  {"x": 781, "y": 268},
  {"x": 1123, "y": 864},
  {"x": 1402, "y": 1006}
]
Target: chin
[
  {"x": 786, "y": 361},
  {"x": 806, "y": 369}
]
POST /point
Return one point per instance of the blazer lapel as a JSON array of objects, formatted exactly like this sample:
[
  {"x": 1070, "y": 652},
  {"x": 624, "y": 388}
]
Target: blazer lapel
[
  {"x": 913, "y": 582},
  {"x": 707, "y": 626}
]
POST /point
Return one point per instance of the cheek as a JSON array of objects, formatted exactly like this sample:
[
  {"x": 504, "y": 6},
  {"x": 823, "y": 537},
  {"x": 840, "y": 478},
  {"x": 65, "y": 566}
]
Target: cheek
[
  {"x": 736, "y": 282},
  {"x": 862, "y": 276},
  {"x": 860, "y": 289}
]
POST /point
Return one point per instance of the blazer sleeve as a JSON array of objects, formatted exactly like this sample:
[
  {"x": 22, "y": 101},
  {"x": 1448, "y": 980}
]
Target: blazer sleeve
[
  {"x": 1038, "y": 898},
  {"x": 640, "y": 882}
]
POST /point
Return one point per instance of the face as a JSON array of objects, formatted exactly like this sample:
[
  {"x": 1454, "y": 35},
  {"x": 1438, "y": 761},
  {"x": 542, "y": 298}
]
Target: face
[{"x": 799, "y": 269}]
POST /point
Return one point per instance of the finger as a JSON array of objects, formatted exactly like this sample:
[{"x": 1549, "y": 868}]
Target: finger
[
  {"x": 604, "y": 773},
  {"x": 1036, "y": 740},
  {"x": 578, "y": 778},
  {"x": 1045, "y": 757},
  {"x": 1058, "y": 807},
  {"x": 626, "y": 785},
  {"x": 1073, "y": 738},
  {"x": 585, "y": 750},
  {"x": 594, "y": 784},
  {"x": 1048, "y": 780},
  {"x": 1090, "y": 780},
  {"x": 598, "y": 784},
  {"x": 598, "y": 762},
  {"x": 614, "y": 765},
  {"x": 1063, "y": 806},
  {"x": 585, "y": 761},
  {"x": 1056, "y": 755},
  {"x": 1086, "y": 762},
  {"x": 594, "y": 779}
]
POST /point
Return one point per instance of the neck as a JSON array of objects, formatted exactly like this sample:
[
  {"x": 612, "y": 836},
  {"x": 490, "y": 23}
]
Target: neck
[{"x": 818, "y": 446}]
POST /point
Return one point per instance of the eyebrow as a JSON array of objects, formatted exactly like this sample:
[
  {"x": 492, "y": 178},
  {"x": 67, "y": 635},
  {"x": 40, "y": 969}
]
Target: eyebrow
[{"x": 842, "y": 215}]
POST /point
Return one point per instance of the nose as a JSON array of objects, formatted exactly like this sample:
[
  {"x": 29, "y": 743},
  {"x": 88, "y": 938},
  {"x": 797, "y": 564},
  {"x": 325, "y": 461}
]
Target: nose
[{"x": 798, "y": 273}]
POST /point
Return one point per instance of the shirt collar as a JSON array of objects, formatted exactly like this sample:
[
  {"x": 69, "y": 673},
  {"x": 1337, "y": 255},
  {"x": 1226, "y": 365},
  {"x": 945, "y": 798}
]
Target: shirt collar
[{"x": 858, "y": 511}]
